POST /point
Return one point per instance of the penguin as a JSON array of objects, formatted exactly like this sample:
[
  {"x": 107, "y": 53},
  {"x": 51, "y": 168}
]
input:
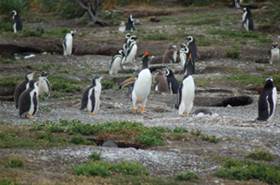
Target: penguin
[
  {"x": 22, "y": 87},
  {"x": 247, "y": 19},
  {"x": 183, "y": 54},
  {"x": 186, "y": 95},
  {"x": 116, "y": 63},
  {"x": 275, "y": 54},
  {"x": 122, "y": 27},
  {"x": 170, "y": 55},
  {"x": 267, "y": 101},
  {"x": 43, "y": 83},
  {"x": 172, "y": 82},
  {"x": 193, "y": 52},
  {"x": 28, "y": 101},
  {"x": 236, "y": 3},
  {"x": 91, "y": 96},
  {"x": 126, "y": 43},
  {"x": 16, "y": 22},
  {"x": 68, "y": 43},
  {"x": 161, "y": 83},
  {"x": 130, "y": 25},
  {"x": 131, "y": 52}
]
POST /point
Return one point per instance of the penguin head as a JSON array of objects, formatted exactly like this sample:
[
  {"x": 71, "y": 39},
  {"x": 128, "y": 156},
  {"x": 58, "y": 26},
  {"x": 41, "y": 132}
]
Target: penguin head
[
  {"x": 29, "y": 76},
  {"x": 44, "y": 74},
  {"x": 127, "y": 36},
  {"x": 14, "y": 13},
  {"x": 146, "y": 59},
  {"x": 274, "y": 45},
  {"x": 96, "y": 79},
  {"x": 73, "y": 32},
  {"x": 189, "y": 39},
  {"x": 269, "y": 83},
  {"x": 133, "y": 37},
  {"x": 168, "y": 72}
]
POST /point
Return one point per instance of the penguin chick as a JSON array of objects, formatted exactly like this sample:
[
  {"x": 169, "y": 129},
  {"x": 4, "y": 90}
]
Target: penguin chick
[
  {"x": 170, "y": 55},
  {"x": 44, "y": 85},
  {"x": 161, "y": 83}
]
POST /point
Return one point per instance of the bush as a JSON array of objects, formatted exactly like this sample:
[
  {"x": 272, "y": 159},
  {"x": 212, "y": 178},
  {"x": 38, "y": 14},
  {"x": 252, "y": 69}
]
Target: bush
[
  {"x": 260, "y": 155},
  {"x": 95, "y": 156},
  {"x": 187, "y": 176},
  {"x": 6, "y": 6},
  {"x": 79, "y": 140},
  {"x": 14, "y": 163}
]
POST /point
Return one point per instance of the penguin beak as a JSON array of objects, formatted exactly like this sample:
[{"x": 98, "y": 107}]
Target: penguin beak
[{"x": 127, "y": 82}]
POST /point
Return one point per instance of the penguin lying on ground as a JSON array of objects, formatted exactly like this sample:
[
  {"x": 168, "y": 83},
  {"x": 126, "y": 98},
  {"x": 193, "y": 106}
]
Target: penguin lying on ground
[
  {"x": 172, "y": 82},
  {"x": 17, "y": 23},
  {"x": 68, "y": 43},
  {"x": 28, "y": 100},
  {"x": 161, "y": 83},
  {"x": 22, "y": 87},
  {"x": 247, "y": 19},
  {"x": 44, "y": 85},
  {"x": 170, "y": 55},
  {"x": 130, "y": 25},
  {"x": 116, "y": 63},
  {"x": 275, "y": 54},
  {"x": 91, "y": 96},
  {"x": 267, "y": 101},
  {"x": 186, "y": 95}
]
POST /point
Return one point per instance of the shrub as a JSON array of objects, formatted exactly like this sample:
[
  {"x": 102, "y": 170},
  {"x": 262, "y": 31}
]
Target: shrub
[
  {"x": 186, "y": 176},
  {"x": 93, "y": 169},
  {"x": 260, "y": 155},
  {"x": 95, "y": 156},
  {"x": 6, "y": 6},
  {"x": 79, "y": 140}
]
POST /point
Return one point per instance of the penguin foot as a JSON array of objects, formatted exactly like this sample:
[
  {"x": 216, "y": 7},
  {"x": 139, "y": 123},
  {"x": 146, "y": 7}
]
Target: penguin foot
[
  {"x": 134, "y": 110},
  {"x": 142, "y": 109},
  {"x": 29, "y": 116},
  {"x": 185, "y": 114},
  {"x": 92, "y": 113}
]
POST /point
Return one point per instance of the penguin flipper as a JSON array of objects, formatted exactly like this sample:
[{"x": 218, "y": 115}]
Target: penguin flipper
[
  {"x": 18, "y": 91},
  {"x": 92, "y": 98},
  {"x": 35, "y": 102},
  {"x": 179, "y": 97},
  {"x": 84, "y": 100},
  {"x": 24, "y": 102}
]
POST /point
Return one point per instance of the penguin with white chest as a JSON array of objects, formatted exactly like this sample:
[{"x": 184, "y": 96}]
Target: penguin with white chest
[
  {"x": 247, "y": 19},
  {"x": 267, "y": 101},
  {"x": 186, "y": 95},
  {"x": 68, "y": 43},
  {"x": 22, "y": 87},
  {"x": 184, "y": 50},
  {"x": 192, "y": 55},
  {"x": 130, "y": 25},
  {"x": 28, "y": 101},
  {"x": 17, "y": 23},
  {"x": 275, "y": 54},
  {"x": 131, "y": 50},
  {"x": 91, "y": 97},
  {"x": 44, "y": 85},
  {"x": 116, "y": 63},
  {"x": 172, "y": 82}
]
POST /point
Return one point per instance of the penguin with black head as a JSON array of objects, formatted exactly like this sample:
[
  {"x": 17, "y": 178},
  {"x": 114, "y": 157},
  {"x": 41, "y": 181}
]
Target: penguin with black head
[
  {"x": 247, "y": 19},
  {"x": 131, "y": 50},
  {"x": 183, "y": 53},
  {"x": 91, "y": 96},
  {"x": 29, "y": 101},
  {"x": 172, "y": 82},
  {"x": 22, "y": 87},
  {"x": 267, "y": 101},
  {"x": 186, "y": 95},
  {"x": 130, "y": 25},
  {"x": 116, "y": 62},
  {"x": 192, "y": 56},
  {"x": 16, "y": 22},
  {"x": 68, "y": 43}
]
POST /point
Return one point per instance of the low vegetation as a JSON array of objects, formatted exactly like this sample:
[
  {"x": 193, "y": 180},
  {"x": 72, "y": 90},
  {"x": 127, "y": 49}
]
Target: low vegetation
[
  {"x": 14, "y": 162},
  {"x": 246, "y": 170},
  {"x": 260, "y": 155},
  {"x": 187, "y": 176}
]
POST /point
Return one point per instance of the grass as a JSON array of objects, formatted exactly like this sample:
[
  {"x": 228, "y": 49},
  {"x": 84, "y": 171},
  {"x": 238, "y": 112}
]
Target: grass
[
  {"x": 79, "y": 140},
  {"x": 14, "y": 163},
  {"x": 205, "y": 137},
  {"x": 233, "y": 53},
  {"x": 108, "y": 84},
  {"x": 104, "y": 169},
  {"x": 7, "y": 182},
  {"x": 260, "y": 155},
  {"x": 245, "y": 170},
  {"x": 95, "y": 156},
  {"x": 10, "y": 81},
  {"x": 156, "y": 36},
  {"x": 187, "y": 176},
  {"x": 62, "y": 84}
]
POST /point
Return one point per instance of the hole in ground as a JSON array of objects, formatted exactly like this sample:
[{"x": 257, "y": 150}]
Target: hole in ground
[
  {"x": 120, "y": 144},
  {"x": 236, "y": 101}
]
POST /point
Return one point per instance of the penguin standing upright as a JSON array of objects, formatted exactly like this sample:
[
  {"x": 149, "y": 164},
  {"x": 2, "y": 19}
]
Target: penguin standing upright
[
  {"x": 172, "y": 81},
  {"x": 28, "y": 101},
  {"x": 130, "y": 25},
  {"x": 236, "y": 3},
  {"x": 68, "y": 43},
  {"x": 170, "y": 55},
  {"x": 161, "y": 83},
  {"x": 186, "y": 95},
  {"x": 126, "y": 43},
  {"x": 192, "y": 53},
  {"x": 17, "y": 23},
  {"x": 116, "y": 63},
  {"x": 275, "y": 54},
  {"x": 267, "y": 101},
  {"x": 44, "y": 85},
  {"x": 247, "y": 19},
  {"x": 131, "y": 50},
  {"x": 91, "y": 96},
  {"x": 22, "y": 87},
  {"x": 122, "y": 27},
  {"x": 184, "y": 50}
]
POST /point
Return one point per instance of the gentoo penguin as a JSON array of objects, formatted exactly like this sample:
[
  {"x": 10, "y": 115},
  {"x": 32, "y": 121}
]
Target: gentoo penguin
[
  {"x": 43, "y": 83},
  {"x": 170, "y": 55},
  {"x": 130, "y": 25},
  {"x": 275, "y": 54},
  {"x": 172, "y": 82},
  {"x": 17, "y": 23},
  {"x": 68, "y": 43},
  {"x": 131, "y": 52},
  {"x": 28, "y": 100},
  {"x": 186, "y": 95},
  {"x": 116, "y": 63},
  {"x": 161, "y": 83},
  {"x": 91, "y": 96},
  {"x": 22, "y": 87},
  {"x": 184, "y": 51},
  {"x": 193, "y": 52},
  {"x": 247, "y": 19},
  {"x": 267, "y": 101}
]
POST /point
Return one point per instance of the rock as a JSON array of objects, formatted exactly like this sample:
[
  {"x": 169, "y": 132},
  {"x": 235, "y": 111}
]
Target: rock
[
  {"x": 109, "y": 143},
  {"x": 154, "y": 19},
  {"x": 202, "y": 111}
]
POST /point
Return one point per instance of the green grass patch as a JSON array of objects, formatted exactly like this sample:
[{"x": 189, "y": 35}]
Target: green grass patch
[
  {"x": 79, "y": 140},
  {"x": 245, "y": 170},
  {"x": 14, "y": 163},
  {"x": 233, "y": 53},
  {"x": 11, "y": 81},
  {"x": 95, "y": 156},
  {"x": 156, "y": 36},
  {"x": 187, "y": 176},
  {"x": 7, "y": 182},
  {"x": 260, "y": 155},
  {"x": 247, "y": 79},
  {"x": 108, "y": 84},
  {"x": 64, "y": 85},
  {"x": 104, "y": 169}
]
